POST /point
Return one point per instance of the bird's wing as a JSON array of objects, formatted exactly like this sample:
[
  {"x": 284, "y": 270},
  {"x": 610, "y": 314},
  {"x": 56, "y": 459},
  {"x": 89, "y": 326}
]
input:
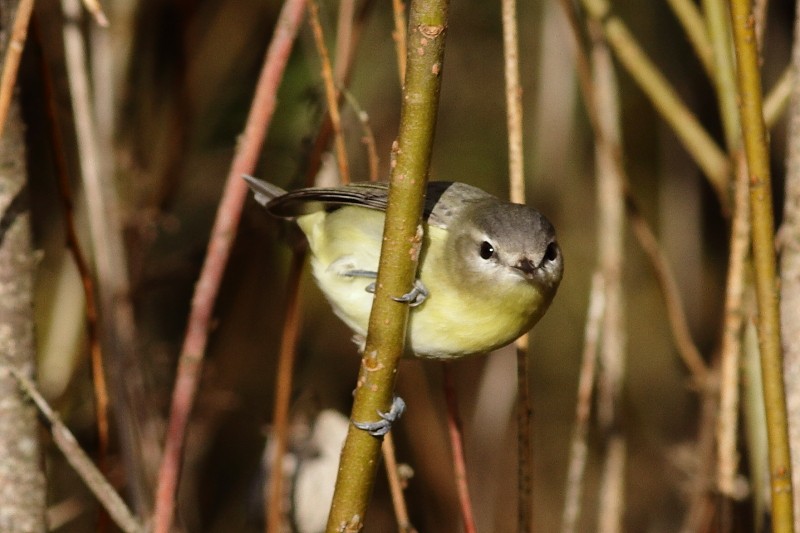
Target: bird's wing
[{"x": 443, "y": 199}]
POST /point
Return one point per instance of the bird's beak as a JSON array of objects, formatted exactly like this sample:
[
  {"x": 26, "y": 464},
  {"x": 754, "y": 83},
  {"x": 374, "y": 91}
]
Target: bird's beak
[{"x": 527, "y": 267}]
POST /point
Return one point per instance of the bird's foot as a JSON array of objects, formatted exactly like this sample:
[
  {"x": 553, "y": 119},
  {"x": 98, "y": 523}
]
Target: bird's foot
[{"x": 382, "y": 426}]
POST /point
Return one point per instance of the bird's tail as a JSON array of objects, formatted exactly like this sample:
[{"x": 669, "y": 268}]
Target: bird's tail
[{"x": 264, "y": 191}]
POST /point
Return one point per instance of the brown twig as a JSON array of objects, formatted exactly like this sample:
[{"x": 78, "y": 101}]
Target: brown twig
[
  {"x": 399, "y": 36},
  {"x": 583, "y": 409},
  {"x": 368, "y": 137},
  {"x": 283, "y": 390},
  {"x": 81, "y": 263},
  {"x": 611, "y": 505},
  {"x": 396, "y": 486},
  {"x": 454, "y": 430},
  {"x": 78, "y": 459},
  {"x": 134, "y": 411},
  {"x": 222, "y": 235},
  {"x": 611, "y": 255},
  {"x": 344, "y": 40},
  {"x": 331, "y": 95},
  {"x": 669, "y": 289},
  {"x": 731, "y": 344},
  {"x": 16, "y": 44},
  {"x": 516, "y": 176}
]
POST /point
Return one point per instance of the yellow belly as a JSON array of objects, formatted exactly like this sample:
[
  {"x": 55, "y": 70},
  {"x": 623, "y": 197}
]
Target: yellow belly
[{"x": 453, "y": 321}]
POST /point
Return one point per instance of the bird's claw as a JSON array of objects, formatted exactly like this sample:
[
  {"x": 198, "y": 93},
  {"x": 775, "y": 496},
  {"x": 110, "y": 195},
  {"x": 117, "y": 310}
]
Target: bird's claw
[
  {"x": 415, "y": 296},
  {"x": 382, "y": 426}
]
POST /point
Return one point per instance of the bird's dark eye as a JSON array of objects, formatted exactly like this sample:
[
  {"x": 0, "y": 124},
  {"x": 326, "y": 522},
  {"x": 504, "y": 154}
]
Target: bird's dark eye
[
  {"x": 487, "y": 250},
  {"x": 551, "y": 253}
]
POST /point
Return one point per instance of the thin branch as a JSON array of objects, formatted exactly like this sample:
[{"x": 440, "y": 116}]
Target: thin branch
[
  {"x": 516, "y": 177},
  {"x": 16, "y": 44},
  {"x": 398, "y": 261},
  {"x": 669, "y": 289},
  {"x": 611, "y": 507},
  {"x": 789, "y": 244},
  {"x": 583, "y": 409},
  {"x": 344, "y": 40},
  {"x": 705, "y": 151},
  {"x": 756, "y": 145},
  {"x": 331, "y": 95},
  {"x": 399, "y": 36},
  {"x": 719, "y": 29},
  {"x": 396, "y": 486},
  {"x": 456, "y": 434},
  {"x": 368, "y": 138},
  {"x": 78, "y": 459},
  {"x": 222, "y": 235},
  {"x": 81, "y": 262},
  {"x": 134, "y": 411},
  {"x": 516, "y": 164},
  {"x": 666, "y": 280},
  {"x": 731, "y": 345},
  {"x": 274, "y": 507},
  {"x": 777, "y": 100},
  {"x": 691, "y": 19},
  {"x": 611, "y": 253}
]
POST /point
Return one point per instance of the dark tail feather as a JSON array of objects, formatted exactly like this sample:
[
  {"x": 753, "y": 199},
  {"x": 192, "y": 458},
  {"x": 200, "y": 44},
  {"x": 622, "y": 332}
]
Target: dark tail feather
[{"x": 264, "y": 192}]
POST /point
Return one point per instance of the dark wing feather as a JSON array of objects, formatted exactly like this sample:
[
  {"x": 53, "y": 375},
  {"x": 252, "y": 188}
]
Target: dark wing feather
[{"x": 443, "y": 199}]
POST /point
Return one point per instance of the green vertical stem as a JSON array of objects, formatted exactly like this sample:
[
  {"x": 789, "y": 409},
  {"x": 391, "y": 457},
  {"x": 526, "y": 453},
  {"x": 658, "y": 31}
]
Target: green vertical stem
[
  {"x": 402, "y": 240},
  {"x": 719, "y": 30},
  {"x": 763, "y": 235}
]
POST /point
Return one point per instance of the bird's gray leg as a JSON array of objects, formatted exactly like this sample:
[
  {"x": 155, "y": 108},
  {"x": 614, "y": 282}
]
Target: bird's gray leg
[
  {"x": 382, "y": 426},
  {"x": 363, "y": 274},
  {"x": 413, "y": 298}
]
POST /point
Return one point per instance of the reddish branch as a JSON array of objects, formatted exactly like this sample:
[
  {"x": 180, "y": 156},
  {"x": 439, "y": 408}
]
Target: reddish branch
[{"x": 190, "y": 363}]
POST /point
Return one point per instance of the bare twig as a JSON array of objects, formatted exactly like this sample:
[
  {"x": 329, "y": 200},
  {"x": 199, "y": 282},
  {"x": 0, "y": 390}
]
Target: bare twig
[
  {"x": 516, "y": 176},
  {"x": 399, "y": 36},
  {"x": 274, "y": 490},
  {"x": 82, "y": 264},
  {"x": 669, "y": 289},
  {"x": 611, "y": 507},
  {"x": 331, "y": 95},
  {"x": 691, "y": 19},
  {"x": 133, "y": 409},
  {"x": 76, "y": 457},
  {"x": 283, "y": 392},
  {"x": 586, "y": 381},
  {"x": 222, "y": 235},
  {"x": 731, "y": 345},
  {"x": 344, "y": 40},
  {"x": 724, "y": 78},
  {"x": 16, "y": 44},
  {"x": 368, "y": 137},
  {"x": 756, "y": 145},
  {"x": 516, "y": 164},
  {"x": 396, "y": 486},
  {"x": 705, "y": 151},
  {"x": 454, "y": 430},
  {"x": 789, "y": 242},
  {"x": 611, "y": 253},
  {"x": 386, "y": 333},
  {"x": 777, "y": 100}
]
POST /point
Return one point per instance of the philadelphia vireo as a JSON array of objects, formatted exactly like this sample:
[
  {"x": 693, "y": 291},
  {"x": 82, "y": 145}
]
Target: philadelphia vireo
[{"x": 488, "y": 269}]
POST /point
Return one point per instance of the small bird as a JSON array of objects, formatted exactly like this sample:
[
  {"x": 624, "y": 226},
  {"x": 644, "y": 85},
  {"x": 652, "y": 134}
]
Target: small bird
[{"x": 488, "y": 269}]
